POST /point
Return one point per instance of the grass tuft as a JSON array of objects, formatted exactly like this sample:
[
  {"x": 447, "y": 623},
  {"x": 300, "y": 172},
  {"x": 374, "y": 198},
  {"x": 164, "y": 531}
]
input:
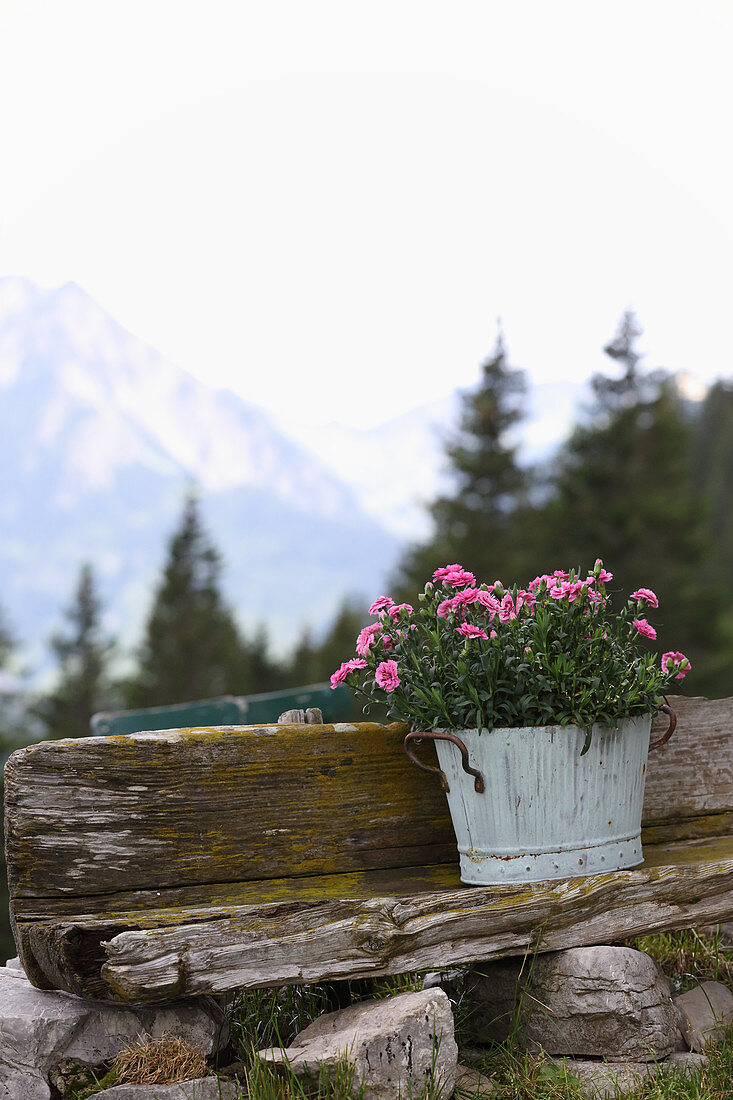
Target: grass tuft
[
  {"x": 688, "y": 956},
  {"x": 163, "y": 1061}
]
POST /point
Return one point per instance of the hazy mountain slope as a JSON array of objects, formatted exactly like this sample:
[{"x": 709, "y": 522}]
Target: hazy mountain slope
[
  {"x": 397, "y": 468},
  {"x": 99, "y": 436}
]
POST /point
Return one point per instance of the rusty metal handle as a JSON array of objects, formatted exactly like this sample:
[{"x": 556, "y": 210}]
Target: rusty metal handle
[
  {"x": 665, "y": 709},
  {"x": 478, "y": 779}
]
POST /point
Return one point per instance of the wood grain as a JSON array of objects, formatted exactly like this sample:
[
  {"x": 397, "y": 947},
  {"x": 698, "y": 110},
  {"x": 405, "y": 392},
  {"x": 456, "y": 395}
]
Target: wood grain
[
  {"x": 130, "y": 858},
  {"x": 187, "y": 807},
  {"x": 349, "y": 926}
]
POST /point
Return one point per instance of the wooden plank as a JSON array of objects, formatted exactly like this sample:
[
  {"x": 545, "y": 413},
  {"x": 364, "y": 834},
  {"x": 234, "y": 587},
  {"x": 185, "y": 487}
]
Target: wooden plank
[
  {"x": 222, "y": 804},
  {"x": 692, "y": 775},
  {"x": 349, "y": 926}
]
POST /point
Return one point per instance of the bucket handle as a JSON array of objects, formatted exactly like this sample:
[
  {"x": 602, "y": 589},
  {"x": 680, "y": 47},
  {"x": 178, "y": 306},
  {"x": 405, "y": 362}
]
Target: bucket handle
[
  {"x": 665, "y": 709},
  {"x": 478, "y": 779}
]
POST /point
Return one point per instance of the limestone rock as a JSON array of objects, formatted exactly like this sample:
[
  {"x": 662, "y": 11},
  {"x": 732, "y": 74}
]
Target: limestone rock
[
  {"x": 606, "y": 1079},
  {"x": 600, "y": 1079},
  {"x": 203, "y": 1088},
  {"x": 41, "y": 1028},
  {"x": 704, "y": 1012},
  {"x": 472, "y": 1085},
  {"x": 71, "y": 1076},
  {"x": 400, "y": 1043},
  {"x": 586, "y": 1001}
]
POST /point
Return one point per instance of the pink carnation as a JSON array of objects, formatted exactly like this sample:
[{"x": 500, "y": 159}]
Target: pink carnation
[
  {"x": 676, "y": 662},
  {"x": 394, "y": 611},
  {"x": 340, "y": 674},
  {"x": 489, "y": 601},
  {"x": 603, "y": 574},
  {"x": 507, "y": 611},
  {"x": 382, "y": 603},
  {"x": 645, "y": 628},
  {"x": 470, "y": 631},
  {"x": 386, "y": 676},
  {"x": 493, "y": 634},
  {"x": 467, "y": 596},
  {"x": 366, "y": 639},
  {"x": 386, "y": 641},
  {"x": 447, "y": 607},
  {"x": 445, "y": 570},
  {"x": 454, "y": 575},
  {"x": 646, "y": 595},
  {"x": 528, "y": 598}
]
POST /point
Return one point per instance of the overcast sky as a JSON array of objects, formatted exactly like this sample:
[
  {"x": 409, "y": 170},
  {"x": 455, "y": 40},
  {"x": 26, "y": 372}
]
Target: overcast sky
[{"x": 325, "y": 205}]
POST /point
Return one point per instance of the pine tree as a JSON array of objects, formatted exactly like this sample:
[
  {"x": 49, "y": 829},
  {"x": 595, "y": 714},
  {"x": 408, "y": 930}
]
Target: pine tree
[
  {"x": 82, "y": 653},
  {"x": 713, "y": 434},
  {"x": 476, "y": 525},
  {"x": 624, "y": 492},
  {"x": 192, "y": 648}
]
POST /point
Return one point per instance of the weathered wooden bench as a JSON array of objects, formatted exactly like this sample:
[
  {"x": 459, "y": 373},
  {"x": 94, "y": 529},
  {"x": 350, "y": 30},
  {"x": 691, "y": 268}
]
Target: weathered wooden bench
[{"x": 161, "y": 865}]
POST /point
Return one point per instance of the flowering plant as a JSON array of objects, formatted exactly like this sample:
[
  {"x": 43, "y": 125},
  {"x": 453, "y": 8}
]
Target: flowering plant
[{"x": 488, "y": 656}]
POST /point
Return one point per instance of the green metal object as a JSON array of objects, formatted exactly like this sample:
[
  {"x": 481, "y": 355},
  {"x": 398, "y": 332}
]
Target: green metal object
[{"x": 336, "y": 704}]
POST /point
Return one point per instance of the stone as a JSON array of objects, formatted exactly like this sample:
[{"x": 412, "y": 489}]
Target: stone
[
  {"x": 472, "y": 1085},
  {"x": 491, "y": 997},
  {"x": 450, "y": 980},
  {"x": 203, "y": 1088},
  {"x": 399, "y": 1044},
  {"x": 723, "y": 931},
  {"x": 704, "y": 1013},
  {"x": 42, "y": 1028},
  {"x": 605, "y": 1079},
  {"x": 71, "y": 1076},
  {"x": 610, "y": 1002}
]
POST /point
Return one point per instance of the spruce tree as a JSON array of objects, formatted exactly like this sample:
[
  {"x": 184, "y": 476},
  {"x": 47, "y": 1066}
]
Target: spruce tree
[
  {"x": 192, "y": 648},
  {"x": 624, "y": 492},
  {"x": 476, "y": 524},
  {"x": 82, "y": 653}
]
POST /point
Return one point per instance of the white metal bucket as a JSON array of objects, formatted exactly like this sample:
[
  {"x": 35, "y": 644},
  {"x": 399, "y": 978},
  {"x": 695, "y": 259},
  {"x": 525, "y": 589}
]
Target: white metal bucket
[{"x": 547, "y": 812}]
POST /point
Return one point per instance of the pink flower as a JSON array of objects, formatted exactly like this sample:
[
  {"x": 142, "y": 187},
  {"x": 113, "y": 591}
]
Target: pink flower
[
  {"x": 489, "y": 601},
  {"x": 340, "y": 674},
  {"x": 493, "y": 634},
  {"x": 386, "y": 641},
  {"x": 467, "y": 596},
  {"x": 445, "y": 570},
  {"x": 602, "y": 575},
  {"x": 560, "y": 590},
  {"x": 528, "y": 598},
  {"x": 470, "y": 631},
  {"x": 366, "y": 639},
  {"x": 645, "y": 628},
  {"x": 645, "y": 595},
  {"x": 454, "y": 575},
  {"x": 676, "y": 662},
  {"x": 507, "y": 611},
  {"x": 447, "y": 607},
  {"x": 396, "y": 608},
  {"x": 382, "y": 603},
  {"x": 386, "y": 676}
]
